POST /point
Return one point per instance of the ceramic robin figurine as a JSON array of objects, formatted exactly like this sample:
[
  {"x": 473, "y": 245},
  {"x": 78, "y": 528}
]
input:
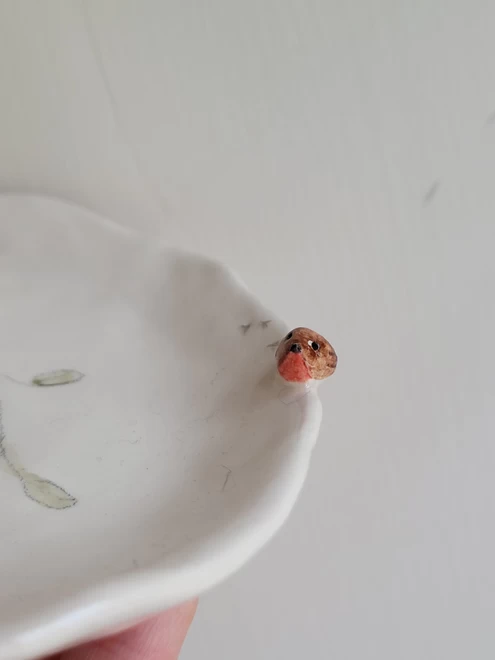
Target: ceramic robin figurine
[{"x": 303, "y": 356}]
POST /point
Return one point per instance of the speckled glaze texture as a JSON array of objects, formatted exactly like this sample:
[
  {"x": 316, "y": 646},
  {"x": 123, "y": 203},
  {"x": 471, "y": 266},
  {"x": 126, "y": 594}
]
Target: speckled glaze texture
[{"x": 304, "y": 355}]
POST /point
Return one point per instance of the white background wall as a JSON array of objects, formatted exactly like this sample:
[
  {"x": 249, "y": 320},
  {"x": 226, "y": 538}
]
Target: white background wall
[{"x": 341, "y": 157}]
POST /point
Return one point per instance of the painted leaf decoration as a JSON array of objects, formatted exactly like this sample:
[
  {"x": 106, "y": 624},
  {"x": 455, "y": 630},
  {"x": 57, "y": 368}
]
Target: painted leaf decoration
[
  {"x": 46, "y": 493},
  {"x": 58, "y": 377}
]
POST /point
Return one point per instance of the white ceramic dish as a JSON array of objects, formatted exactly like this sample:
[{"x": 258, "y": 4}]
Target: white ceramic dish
[{"x": 168, "y": 465}]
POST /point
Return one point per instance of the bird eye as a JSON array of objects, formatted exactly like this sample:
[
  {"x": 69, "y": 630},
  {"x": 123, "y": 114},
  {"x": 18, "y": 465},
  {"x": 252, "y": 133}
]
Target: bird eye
[
  {"x": 314, "y": 345},
  {"x": 289, "y": 335}
]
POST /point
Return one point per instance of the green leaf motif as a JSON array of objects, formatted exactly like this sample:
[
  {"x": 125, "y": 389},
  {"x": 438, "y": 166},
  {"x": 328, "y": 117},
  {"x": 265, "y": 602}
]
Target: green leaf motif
[
  {"x": 58, "y": 377},
  {"x": 45, "y": 492}
]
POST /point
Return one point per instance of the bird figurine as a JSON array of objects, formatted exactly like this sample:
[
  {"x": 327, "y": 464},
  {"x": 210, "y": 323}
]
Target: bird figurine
[{"x": 304, "y": 356}]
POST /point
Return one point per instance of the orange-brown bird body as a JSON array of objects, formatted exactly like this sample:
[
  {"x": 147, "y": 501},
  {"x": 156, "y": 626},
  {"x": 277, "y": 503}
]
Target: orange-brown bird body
[{"x": 304, "y": 355}]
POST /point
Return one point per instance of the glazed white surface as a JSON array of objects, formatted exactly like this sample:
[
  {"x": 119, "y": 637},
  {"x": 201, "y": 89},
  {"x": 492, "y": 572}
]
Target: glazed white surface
[
  {"x": 169, "y": 463},
  {"x": 340, "y": 157}
]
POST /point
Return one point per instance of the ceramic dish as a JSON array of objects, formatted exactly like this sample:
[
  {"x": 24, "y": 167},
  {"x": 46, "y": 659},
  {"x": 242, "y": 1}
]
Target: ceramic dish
[{"x": 145, "y": 453}]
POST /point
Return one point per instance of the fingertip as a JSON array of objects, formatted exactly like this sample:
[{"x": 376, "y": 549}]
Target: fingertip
[{"x": 158, "y": 638}]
